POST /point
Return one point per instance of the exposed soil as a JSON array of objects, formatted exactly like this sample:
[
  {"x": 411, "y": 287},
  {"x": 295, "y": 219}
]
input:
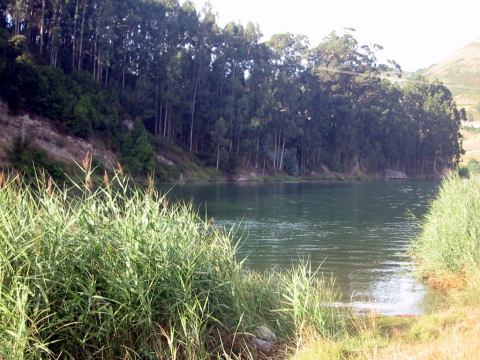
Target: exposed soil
[
  {"x": 471, "y": 145},
  {"x": 44, "y": 134}
]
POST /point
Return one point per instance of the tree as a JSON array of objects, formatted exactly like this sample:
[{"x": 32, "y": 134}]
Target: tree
[{"x": 137, "y": 152}]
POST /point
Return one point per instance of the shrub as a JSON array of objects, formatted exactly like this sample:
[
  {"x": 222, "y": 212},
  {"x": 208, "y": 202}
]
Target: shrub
[{"x": 28, "y": 159}]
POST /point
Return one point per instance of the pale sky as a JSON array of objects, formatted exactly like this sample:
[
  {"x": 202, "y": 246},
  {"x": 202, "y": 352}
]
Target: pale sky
[{"x": 415, "y": 33}]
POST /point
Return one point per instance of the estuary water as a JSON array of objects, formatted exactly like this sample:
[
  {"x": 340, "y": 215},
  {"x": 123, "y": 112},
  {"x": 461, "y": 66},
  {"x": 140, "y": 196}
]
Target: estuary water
[{"x": 358, "y": 232}]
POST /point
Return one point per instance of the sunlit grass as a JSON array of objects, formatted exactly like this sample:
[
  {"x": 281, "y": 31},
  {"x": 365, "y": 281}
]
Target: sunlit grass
[
  {"x": 113, "y": 271},
  {"x": 448, "y": 253},
  {"x": 450, "y": 334},
  {"x": 448, "y": 248}
]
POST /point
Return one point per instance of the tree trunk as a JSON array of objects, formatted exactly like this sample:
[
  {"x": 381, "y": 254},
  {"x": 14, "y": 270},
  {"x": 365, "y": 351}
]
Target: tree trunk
[
  {"x": 123, "y": 74},
  {"x": 281, "y": 157},
  {"x": 42, "y": 21},
  {"x": 193, "y": 113},
  {"x": 106, "y": 75},
  {"x": 230, "y": 147},
  {"x": 275, "y": 149},
  {"x": 74, "y": 40},
  {"x": 165, "y": 122},
  {"x": 99, "y": 65},
  {"x": 95, "y": 55},
  {"x": 160, "y": 118},
  {"x": 82, "y": 27},
  {"x": 29, "y": 21},
  {"x": 257, "y": 152}
]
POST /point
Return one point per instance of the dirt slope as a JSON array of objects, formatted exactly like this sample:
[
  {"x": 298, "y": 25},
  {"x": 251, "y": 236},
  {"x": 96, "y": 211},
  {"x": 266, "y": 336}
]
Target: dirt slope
[
  {"x": 61, "y": 147},
  {"x": 471, "y": 145}
]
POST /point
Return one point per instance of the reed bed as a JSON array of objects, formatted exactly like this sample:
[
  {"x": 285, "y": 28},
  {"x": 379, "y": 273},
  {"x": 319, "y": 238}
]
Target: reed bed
[
  {"x": 114, "y": 271},
  {"x": 448, "y": 248}
]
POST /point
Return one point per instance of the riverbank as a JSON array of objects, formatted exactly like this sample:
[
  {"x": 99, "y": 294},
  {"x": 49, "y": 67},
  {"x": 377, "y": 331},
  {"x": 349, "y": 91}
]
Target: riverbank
[
  {"x": 447, "y": 252},
  {"x": 448, "y": 334},
  {"x": 116, "y": 271}
]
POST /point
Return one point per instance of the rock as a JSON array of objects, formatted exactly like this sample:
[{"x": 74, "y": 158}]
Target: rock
[
  {"x": 263, "y": 346},
  {"x": 127, "y": 124},
  {"x": 163, "y": 160},
  {"x": 264, "y": 333},
  {"x": 326, "y": 170},
  {"x": 240, "y": 178},
  {"x": 394, "y": 175}
]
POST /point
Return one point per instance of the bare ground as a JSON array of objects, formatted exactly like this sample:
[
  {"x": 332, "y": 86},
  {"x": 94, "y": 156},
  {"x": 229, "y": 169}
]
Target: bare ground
[
  {"x": 471, "y": 145},
  {"x": 45, "y": 135}
]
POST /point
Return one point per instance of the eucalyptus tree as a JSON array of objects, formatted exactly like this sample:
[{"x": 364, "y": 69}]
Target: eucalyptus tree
[
  {"x": 288, "y": 52},
  {"x": 222, "y": 93},
  {"x": 261, "y": 104},
  {"x": 433, "y": 110},
  {"x": 347, "y": 72}
]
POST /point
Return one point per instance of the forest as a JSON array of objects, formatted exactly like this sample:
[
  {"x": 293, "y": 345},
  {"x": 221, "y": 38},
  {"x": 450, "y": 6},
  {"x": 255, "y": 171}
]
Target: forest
[{"x": 222, "y": 94}]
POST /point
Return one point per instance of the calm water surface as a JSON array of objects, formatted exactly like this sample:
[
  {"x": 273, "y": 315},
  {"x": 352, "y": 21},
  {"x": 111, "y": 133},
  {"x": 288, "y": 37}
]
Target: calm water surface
[{"x": 358, "y": 232}]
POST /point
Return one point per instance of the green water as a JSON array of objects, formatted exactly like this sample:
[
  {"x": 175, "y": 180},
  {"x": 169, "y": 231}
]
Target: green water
[{"x": 358, "y": 232}]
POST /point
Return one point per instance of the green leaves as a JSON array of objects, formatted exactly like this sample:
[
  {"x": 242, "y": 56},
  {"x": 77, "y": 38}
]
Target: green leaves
[
  {"x": 137, "y": 151},
  {"x": 116, "y": 272},
  {"x": 327, "y": 105}
]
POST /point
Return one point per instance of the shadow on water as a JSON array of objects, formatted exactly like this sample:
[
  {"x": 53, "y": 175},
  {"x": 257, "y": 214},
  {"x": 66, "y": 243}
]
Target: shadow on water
[{"x": 358, "y": 232}]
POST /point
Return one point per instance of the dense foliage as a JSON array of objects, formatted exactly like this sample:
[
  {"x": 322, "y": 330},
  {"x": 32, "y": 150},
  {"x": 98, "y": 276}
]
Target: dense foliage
[
  {"x": 222, "y": 93},
  {"x": 448, "y": 249},
  {"x": 118, "y": 273},
  {"x": 29, "y": 159}
]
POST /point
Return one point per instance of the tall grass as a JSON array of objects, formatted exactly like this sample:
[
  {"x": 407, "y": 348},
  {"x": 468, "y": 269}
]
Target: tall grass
[
  {"x": 115, "y": 271},
  {"x": 448, "y": 248}
]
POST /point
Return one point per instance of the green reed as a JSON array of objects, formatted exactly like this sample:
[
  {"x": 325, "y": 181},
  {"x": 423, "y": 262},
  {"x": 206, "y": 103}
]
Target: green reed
[
  {"x": 449, "y": 245},
  {"x": 115, "y": 271}
]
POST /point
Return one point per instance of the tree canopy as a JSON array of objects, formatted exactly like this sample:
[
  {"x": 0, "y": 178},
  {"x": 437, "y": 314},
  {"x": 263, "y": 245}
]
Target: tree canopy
[{"x": 222, "y": 94}]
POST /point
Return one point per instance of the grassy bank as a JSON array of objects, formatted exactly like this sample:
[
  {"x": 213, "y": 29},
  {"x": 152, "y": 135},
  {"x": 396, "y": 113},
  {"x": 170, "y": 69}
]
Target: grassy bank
[
  {"x": 117, "y": 272},
  {"x": 114, "y": 271},
  {"x": 448, "y": 255},
  {"x": 450, "y": 334},
  {"x": 448, "y": 249}
]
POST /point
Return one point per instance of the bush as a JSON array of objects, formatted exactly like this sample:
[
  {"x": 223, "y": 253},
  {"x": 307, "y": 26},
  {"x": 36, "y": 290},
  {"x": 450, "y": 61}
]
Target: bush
[
  {"x": 473, "y": 166},
  {"x": 463, "y": 172},
  {"x": 137, "y": 152},
  {"x": 28, "y": 160}
]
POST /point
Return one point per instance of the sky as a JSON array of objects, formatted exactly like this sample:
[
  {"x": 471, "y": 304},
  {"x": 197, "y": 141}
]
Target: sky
[{"x": 414, "y": 33}]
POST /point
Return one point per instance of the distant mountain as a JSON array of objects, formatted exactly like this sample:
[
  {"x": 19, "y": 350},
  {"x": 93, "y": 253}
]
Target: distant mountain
[{"x": 461, "y": 74}]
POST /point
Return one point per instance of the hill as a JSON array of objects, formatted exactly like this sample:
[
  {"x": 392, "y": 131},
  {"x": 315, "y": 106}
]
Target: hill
[
  {"x": 460, "y": 73},
  {"x": 471, "y": 145}
]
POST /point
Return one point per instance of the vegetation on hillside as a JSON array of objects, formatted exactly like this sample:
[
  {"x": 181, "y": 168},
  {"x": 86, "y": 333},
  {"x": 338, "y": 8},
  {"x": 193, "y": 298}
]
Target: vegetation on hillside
[
  {"x": 222, "y": 94},
  {"x": 29, "y": 159}
]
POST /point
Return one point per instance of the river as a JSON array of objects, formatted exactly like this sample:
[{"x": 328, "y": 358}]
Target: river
[{"x": 358, "y": 232}]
